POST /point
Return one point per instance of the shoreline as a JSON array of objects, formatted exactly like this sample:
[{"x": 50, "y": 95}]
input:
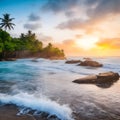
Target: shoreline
[
  {"x": 34, "y": 58},
  {"x": 12, "y": 110},
  {"x": 9, "y": 112}
]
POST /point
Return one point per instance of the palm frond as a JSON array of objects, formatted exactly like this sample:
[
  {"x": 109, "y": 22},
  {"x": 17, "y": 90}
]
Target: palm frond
[{"x": 6, "y": 22}]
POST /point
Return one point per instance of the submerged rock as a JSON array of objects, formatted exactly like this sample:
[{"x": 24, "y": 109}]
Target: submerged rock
[
  {"x": 8, "y": 59},
  {"x": 101, "y": 80},
  {"x": 34, "y": 60},
  {"x": 90, "y": 63},
  {"x": 72, "y": 61}
]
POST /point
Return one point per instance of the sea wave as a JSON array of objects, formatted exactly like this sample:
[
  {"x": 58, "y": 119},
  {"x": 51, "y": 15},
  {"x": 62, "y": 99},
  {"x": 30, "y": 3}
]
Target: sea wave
[{"x": 38, "y": 103}]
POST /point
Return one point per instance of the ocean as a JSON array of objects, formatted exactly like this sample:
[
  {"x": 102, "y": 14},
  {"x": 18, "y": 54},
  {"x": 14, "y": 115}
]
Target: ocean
[{"x": 46, "y": 86}]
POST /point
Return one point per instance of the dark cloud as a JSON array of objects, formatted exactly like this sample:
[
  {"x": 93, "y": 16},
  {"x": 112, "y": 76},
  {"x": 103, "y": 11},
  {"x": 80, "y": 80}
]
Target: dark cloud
[
  {"x": 69, "y": 7},
  {"x": 91, "y": 2},
  {"x": 33, "y": 17},
  {"x": 60, "y": 5},
  {"x": 32, "y": 26},
  {"x": 73, "y": 24},
  {"x": 78, "y": 9},
  {"x": 70, "y": 13},
  {"x": 33, "y": 22},
  {"x": 105, "y": 7},
  {"x": 94, "y": 7}
]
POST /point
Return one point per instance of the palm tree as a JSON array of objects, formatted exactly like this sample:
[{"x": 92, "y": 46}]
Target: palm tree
[{"x": 6, "y": 22}]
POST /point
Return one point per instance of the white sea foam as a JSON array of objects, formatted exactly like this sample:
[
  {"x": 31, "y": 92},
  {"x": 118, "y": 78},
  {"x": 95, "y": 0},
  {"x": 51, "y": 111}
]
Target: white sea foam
[{"x": 33, "y": 102}]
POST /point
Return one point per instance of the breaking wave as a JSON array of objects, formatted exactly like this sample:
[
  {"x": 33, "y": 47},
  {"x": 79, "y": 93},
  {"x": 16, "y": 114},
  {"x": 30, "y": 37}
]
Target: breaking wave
[{"x": 39, "y": 104}]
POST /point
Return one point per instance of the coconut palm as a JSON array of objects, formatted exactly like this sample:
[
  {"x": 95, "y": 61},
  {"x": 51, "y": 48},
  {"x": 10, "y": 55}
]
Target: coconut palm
[{"x": 6, "y": 22}]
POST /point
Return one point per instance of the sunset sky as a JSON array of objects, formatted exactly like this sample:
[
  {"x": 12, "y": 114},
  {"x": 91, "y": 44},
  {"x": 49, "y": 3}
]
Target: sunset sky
[{"x": 80, "y": 27}]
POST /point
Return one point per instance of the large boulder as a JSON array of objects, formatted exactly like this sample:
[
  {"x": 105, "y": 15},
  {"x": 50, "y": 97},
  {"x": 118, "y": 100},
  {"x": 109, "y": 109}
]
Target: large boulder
[
  {"x": 72, "y": 61},
  {"x": 107, "y": 77},
  {"x": 90, "y": 63},
  {"x": 102, "y": 79}
]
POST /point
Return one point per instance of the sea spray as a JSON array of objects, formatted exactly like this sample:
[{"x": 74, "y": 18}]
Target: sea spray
[{"x": 43, "y": 104}]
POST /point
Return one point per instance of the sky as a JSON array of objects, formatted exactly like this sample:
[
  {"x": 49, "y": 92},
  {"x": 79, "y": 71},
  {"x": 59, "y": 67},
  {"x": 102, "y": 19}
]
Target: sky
[{"x": 80, "y": 27}]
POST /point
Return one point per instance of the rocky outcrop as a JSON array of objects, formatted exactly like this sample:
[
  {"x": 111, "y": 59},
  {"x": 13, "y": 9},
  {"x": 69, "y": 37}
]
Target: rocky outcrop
[
  {"x": 86, "y": 58},
  {"x": 34, "y": 60},
  {"x": 90, "y": 63},
  {"x": 57, "y": 58},
  {"x": 8, "y": 59},
  {"x": 101, "y": 80},
  {"x": 72, "y": 61}
]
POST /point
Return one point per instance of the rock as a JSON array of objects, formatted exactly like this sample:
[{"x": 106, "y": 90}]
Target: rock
[
  {"x": 90, "y": 63},
  {"x": 57, "y": 58},
  {"x": 73, "y": 61},
  {"x": 34, "y": 60},
  {"x": 2, "y": 60},
  {"x": 101, "y": 80},
  {"x": 88, "y": 59},
  {"x": 88, "y": 79},
  {"x": 8, "y": 59},
  {"x": 107, "y": 77}
]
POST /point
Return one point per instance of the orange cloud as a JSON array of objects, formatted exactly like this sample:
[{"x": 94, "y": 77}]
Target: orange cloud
[
  {"x": 69, "y": 46},
  {"x": 112, "y": 43},
  {"x": 72, "y": 49},
  {"x": 103, "y": 48}
]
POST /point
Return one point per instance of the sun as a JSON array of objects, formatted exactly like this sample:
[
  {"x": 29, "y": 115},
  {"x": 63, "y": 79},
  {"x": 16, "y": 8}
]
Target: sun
[{"x": 87, "y": 42}]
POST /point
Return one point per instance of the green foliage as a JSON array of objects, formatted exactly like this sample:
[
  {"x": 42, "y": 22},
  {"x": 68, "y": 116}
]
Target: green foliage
[
  {"x": 29, "y": 42},
  {"x": 53, "y": 51},
  {"x": 5, "y": 40},
  {"x": 6, "y": 22},
  {"x": 26, "y": 42},
  {"x": 1, "y": 45}
]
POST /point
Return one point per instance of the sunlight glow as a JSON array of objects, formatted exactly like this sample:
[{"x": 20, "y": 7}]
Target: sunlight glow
[{"x": 87, "y": 42}]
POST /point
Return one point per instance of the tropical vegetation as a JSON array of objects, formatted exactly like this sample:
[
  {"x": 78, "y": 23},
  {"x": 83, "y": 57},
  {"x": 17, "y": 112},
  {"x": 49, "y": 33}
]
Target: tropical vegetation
[
  {"x": 27, "y": 45},
  {"x": 6, "y": 22}
]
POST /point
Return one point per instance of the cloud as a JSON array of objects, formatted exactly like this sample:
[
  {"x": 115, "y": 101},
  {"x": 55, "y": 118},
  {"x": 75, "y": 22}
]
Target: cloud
[
  {"x": 85, "y": 14},
  {"x": 32, "y": 26},
  {"x": 102, "y": 27},
  {"x": 73, "y": 24},
  {"x": 44, "y": 38},
  {"x": 103, "y": 47},
  {"x": 71, "y": 48},
  {"x": 78, "y": 36},
  {"x": 109, "y": 43},
  {"x": 33, "y": 17},
  {"x": 68, "y": 45},
  {"x": 57, "y": 6},
  {"x": 33, "y": 22},
  {"x": 105, "y": 7},
  {"x": 93, "y": 7}
]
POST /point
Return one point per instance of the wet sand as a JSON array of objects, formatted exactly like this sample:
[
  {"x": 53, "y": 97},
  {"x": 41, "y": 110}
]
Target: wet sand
[{"x": 9, "y": 112}]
